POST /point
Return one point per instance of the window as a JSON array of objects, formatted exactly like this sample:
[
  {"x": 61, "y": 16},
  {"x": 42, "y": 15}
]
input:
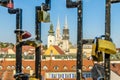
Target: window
[
  {"x": 84, "y": 67},
  {"x": 8, "y": 67},
  {"x": 54, "y": 75},
  {"x": 74, "y": 67},
  {"x": 51, "y": 52},
  {"x": 45, "y": 68},
  {"x": 1, "y": 67},
  {"x": 50, "y": 40},
  {"x": 88, "y": 75},
  {"x": 59, "y": 75},
  {"x": 90, "y": 67},
  {"x": 56, "y": 67},
  {"x": 67, "y": 75},
  {"x": 73, "y": 75},
  {"x": 65, "y": 68},
  {"x": 22, "y": 67},
  {"x": 28, "y": 68},
  {"x": 50, "y": 75},
  {"x": 84, "y": 75},
  {"x": 63, "y": 76},
  {"x": 13, "y": 67}
]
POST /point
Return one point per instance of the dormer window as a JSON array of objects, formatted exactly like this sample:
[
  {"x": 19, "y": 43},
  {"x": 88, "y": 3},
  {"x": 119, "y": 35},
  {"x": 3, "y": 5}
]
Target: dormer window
[
  {"x": 90, "y": 67},
  {"x": 45, "y": 67},
  {"x": 28, "y": 68},
  {"x": 1, "y": 67},
  {"x": 8, "y": 67},
  {"x": 13, "y": 67},
  {"x": 65, "y": 68},
  {"x": 84, "y": 67},
  {"x": 51, "y": 52},
  {"x": 56, "y": 67},
  {"x": 22, "y": 67},
  {"x": 73, "y": 67}
]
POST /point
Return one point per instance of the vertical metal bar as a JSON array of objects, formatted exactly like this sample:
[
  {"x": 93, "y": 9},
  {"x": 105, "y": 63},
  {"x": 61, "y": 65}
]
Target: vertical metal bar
[
  {"x": 18, "y": 23},
  {"x": 18, "y": 46},
  {"x": 107, "y": 37},
  {"x": 79, "y": 41},
  {"x": 18, "y": 58},
  {"x": 37, "y": 49}
]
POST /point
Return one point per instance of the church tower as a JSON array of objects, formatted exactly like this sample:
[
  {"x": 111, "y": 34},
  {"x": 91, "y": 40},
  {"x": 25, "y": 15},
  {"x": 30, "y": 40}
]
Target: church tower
[
  {"x": 51, "y": 36},
  {"x": 65, "y": 38},
  {"x": 58, "y": 34}
]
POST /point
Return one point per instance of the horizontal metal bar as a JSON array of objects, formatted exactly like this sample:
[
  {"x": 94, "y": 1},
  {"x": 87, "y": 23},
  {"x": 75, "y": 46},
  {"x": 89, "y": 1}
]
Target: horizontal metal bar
[{"x": 115, "y": 1}]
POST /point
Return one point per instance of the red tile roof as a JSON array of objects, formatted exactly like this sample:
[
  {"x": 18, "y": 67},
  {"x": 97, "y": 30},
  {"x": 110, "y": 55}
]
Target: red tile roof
[
  {"x": 51, "y": 64},
  {"x": 58, "y": 49},
  {"x": 88, "y": 63},
  {"x": 115, "y": 67},
  {"x": 24, "y": 49},
  {"x": 9, "y": 75},
  {"x": 61, "y": 79},
  {"x": 61, "y": 64},
  {"x": 68, "y": 63},
  {"x": 70, "y": 79}
]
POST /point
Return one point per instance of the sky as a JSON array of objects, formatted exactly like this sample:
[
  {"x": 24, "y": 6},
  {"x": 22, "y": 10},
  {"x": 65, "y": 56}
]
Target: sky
[{"x": 93, "y": 20}]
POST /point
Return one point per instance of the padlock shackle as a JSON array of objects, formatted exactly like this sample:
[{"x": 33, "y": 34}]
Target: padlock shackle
[{"x": 103, "y": 36}]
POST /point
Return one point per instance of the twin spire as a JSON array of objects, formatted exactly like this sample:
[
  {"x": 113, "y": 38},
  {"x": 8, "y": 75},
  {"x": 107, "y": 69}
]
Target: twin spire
[
  {"x": 65, "y": 25},
  {"x": 58, "y": 26}
]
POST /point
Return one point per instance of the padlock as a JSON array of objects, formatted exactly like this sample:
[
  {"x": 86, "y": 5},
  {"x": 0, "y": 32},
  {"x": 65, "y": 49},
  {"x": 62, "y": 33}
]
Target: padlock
[
  {"x": 43, "y": 16},
  {"x": 107, "y": 47},
  {"x": 100, "y": 56},
  {"x": 33, "y": 79},
  {"x": 96, "y": 55}
]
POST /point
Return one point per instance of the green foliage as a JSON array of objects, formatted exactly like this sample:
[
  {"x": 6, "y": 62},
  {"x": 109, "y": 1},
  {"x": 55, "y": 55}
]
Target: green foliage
[
  {"x": 4, "y": 45},
  {"x": 28, "y": 56},
  {"x": 115, "y": 56},
  {"x": 7, "y": 55}
]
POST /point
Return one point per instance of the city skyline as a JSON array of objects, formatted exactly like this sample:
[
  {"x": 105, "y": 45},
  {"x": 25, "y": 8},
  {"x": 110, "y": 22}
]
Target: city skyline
[{"x": 93, "y": 19}]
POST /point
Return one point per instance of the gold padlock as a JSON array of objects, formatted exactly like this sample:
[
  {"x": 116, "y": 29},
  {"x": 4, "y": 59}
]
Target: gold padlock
[
  {"x": 97, "y": 56},
  {"x": 43, "y": 16},
  {"x": 100, "y": 56},
  {"x": 94, "y": 56},
  {"x": 106, "y": 46}
]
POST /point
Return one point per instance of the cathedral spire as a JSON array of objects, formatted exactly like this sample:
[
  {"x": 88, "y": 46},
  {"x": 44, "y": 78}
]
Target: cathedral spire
[
  {"x": 66, "y": 23},
  {"x": 65, "y": 37},
  {"x": 58, "y": 24},
  {"x": 58, "y": 34}
]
